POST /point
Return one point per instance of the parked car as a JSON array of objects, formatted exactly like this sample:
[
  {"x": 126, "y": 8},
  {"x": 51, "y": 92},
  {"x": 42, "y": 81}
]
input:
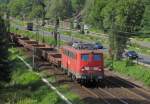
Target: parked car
[
  {"x": 30, "y": 26},
  {"x": 76, "y": 44},
  {"x": 131, "y": 54},
  {"x": 98, "y": 46}
]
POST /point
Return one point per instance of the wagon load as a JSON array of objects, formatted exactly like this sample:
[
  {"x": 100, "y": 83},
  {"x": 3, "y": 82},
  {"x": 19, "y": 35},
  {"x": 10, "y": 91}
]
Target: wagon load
[
  {"x": 45, "y": 52},
  {"x": 39, "y": 48},
  {"x": 55, "y": 58},
  {"x": 29, "y": 43},
  {"x": 22, "y": 40},
  {"x": 11, "y": 36},
  {"x": 15, "y": 38}
]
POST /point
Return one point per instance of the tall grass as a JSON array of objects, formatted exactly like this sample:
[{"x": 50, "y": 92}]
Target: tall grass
[
  {"x": 138, "y": 72},
  {"x": 26, "y": 87}
]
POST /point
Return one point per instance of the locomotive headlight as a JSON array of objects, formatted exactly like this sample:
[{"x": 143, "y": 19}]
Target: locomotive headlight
[
  {"x": 87, "y": 68},
  {"x": 82, "y": 69},
  {"x": 96, "y": 68}
]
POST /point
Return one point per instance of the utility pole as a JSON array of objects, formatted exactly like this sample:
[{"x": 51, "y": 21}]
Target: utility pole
[
  {"x": 33, "y": 58},
  {"x": 112, "y": 39},
  {"x": 56, "y": 31},
  {"x": 43, "y": 39},
  {"x": 34, "y": 49},
  {"x": 59, "y": 40},
  {"x": 71, "y": 27},
  {"x": 8, "y": 16},
  {"x": 37, "y": 29}
]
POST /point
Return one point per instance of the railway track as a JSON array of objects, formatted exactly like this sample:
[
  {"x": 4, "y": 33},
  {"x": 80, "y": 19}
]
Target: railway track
[
  {"x": 139, "y": 92},
  {"x": 107, "y": 97},
  {"x": 115, "y": 94},
  {"x": 128, "y": 85}
]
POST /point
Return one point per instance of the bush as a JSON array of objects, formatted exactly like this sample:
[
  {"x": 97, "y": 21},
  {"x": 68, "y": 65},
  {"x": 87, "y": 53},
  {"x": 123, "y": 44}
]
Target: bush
[
  {"x": 23, "y": 77},
  {"x": 51, "y": 98},
  {"x": 27, "y": 101}
]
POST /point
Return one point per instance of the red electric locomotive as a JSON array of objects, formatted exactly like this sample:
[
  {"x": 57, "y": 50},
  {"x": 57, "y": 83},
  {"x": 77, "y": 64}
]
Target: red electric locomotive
[{"x": 83, "y": 63}]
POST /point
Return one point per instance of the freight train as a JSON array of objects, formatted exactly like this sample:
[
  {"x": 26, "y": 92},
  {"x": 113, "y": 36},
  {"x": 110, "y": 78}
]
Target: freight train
[{"x": 81, "y": 61}]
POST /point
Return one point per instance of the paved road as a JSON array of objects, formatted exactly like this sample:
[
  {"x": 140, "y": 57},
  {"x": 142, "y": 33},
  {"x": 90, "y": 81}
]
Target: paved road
[{"x": 143, "y": 58}]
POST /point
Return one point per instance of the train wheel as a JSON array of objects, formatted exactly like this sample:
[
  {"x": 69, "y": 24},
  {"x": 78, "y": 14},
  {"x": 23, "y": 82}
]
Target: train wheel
[
  {"x": 73, "y": 78},
  {"x": 81, "y": 83},
  {"x": 69, "y": 74},
  {"x": 101, "y": 84},
  {"x": 65, "y": 71},
  {"x": 61, "y": 69}
]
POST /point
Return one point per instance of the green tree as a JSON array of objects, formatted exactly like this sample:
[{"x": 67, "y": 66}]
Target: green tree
[
  {"x": 93, "y": 9},
  {"x": 60, "y": 8},
  {"x": 119, "y": 17},
  {"x": 3, "y": 6},
  {"x": 122, "y": 18},
  {"x": 146, "y": 20},
  {"x": 4, "y": 70},
  {"x": 38, "y": 10},
  {"x": 20, "y": 8},
  {"x": 78, "y": 5}
]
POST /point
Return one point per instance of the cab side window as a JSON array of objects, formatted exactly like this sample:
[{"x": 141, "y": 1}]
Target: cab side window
[
  {"x": 85, "y": 57},
  {"x": 66, "y": 52},
  {"x": 97, "y": 57},
  {"x": 69, "y": 54}
]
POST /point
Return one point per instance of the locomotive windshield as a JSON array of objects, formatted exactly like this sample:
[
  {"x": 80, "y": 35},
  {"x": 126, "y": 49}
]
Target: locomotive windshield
[
  {"x": 97, "y": 57},
  {"x": 85, "y": 57}
]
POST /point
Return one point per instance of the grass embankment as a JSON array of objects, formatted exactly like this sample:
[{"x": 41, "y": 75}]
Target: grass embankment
[
  {"x": 39, "y": 37},
  {"x": 19, "y": 22},
  {"x": 143, "y": 37},
  {"x": 138, "y": 72},
  {"x": 26, "y": 87}
]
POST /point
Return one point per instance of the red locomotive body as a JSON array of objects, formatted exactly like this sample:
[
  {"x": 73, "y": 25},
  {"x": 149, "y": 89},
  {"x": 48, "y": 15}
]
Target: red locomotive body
[{"x": 83, "y": 64}]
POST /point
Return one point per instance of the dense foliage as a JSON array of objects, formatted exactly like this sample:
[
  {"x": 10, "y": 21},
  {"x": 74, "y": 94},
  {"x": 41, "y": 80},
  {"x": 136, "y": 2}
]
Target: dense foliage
[
  {"x": 78, "y": 5},
  {"x": 59, "y": 8},
  {"x": 4, "y": 70},
  {"x": 3, "y": 1},
  {"x": 119, "y": 17},
  {"x": 40, "y": 8},
  {"x": 146, "y": 20}
]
